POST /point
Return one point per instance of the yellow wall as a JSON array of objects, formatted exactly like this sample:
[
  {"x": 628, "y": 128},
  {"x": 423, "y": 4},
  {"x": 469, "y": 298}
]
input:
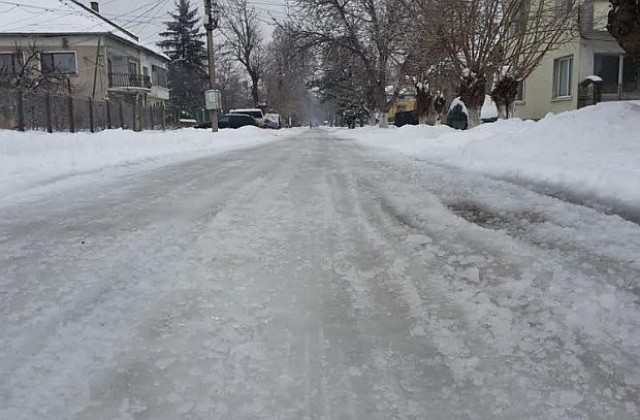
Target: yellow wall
[
  {"x": 408, "y": 104},
  {"x": 538, "y": 87}
]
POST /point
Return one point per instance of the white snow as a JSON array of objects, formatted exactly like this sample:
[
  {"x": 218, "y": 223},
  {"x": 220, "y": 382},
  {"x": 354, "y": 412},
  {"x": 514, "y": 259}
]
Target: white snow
[
  {"x": 314, "y": 278},
  {"x": 489, "y": 110},
  {"x": 456, "y": 102},
  {"x": 593, "y": 78},
  {"x": 30, "y": 158},
  {"x": 593, "y": 152}
]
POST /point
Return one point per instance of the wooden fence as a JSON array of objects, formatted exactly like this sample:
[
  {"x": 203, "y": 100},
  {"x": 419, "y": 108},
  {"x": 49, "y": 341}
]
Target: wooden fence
[{"x": 51, "y": 112}]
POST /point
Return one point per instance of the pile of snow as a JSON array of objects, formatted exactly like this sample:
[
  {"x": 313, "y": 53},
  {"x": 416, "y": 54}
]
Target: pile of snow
[
  {"x": 34, "y": 157},
  {"x": 592, "y": 153}
]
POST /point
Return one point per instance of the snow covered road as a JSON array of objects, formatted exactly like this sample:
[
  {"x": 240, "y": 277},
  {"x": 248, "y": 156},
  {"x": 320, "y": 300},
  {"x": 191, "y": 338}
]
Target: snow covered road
[{"x": 313, "y": 278}]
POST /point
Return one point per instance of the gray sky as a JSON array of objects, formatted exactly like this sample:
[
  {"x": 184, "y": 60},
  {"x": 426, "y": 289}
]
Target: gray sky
[{"x": 145, "y": 17}]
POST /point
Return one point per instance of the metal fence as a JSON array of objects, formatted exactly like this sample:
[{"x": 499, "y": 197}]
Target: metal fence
[{"x": 52, "y": 112}]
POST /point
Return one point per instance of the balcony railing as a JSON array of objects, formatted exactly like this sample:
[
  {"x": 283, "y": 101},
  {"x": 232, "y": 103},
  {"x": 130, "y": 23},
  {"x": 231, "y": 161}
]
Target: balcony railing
[{"x": 127, "y": 80}]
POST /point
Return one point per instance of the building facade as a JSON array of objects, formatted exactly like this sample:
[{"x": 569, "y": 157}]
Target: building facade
[
  {"x": 95, "y": 57},
  {"x": 555, "y": 85}
]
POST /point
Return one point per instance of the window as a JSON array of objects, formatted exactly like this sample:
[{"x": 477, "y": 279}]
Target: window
[
  {"x": 159, "y": 76},
  {"x": 618, "y": 72},
  {"x": 133, "y": 68},
  {"x": 520, "y": 91},
  {"x": 562, "y": 68},
  {"x": 11, "y": 63},
  {"x": 63, "y": 62},
  {"x": 145, "y": 71},
  {"x": 608, "y": 68}
]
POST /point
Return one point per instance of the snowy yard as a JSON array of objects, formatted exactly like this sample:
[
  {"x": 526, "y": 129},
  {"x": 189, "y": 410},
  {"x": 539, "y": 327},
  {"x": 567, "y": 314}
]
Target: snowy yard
[
  {"x": 414, "y": 273},
  {"x": 592, "y": 154},
  {"x": 30, "y": 159}
]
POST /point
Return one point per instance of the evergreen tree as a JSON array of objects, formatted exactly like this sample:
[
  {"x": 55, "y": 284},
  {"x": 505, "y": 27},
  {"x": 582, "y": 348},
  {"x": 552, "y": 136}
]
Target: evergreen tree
[{"x": 183, "y": 44}]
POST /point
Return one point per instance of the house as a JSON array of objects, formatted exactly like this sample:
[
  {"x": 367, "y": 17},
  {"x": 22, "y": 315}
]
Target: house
[
  {"x": 555, "y": 85},
  {"x": 96, "y": 57}
]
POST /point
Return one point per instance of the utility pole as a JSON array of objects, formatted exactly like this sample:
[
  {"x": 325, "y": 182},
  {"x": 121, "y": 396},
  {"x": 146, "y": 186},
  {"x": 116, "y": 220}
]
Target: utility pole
[{"x": 212, "y": 96}]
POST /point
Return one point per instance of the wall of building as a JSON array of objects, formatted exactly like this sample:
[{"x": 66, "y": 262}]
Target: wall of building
[
  {"x": 538, "y": 97},
  {"x": 85, "y": 48},
  {"x": 401, "y": 105}
]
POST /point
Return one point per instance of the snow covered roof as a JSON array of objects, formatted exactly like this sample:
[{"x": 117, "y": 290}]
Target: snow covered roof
[{"x": 62, "y": 17}]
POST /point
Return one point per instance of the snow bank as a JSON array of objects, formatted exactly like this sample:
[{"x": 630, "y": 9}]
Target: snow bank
[
  {"x": 593, "y": 152},
  {"x": 32, "y": 157}
]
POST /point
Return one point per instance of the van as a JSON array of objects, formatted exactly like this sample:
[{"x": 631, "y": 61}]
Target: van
[{"x": 256, "y": 113}]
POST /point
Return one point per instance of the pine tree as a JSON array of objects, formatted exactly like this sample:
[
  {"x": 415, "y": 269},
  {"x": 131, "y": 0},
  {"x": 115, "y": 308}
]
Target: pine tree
[{"x": 184, "y": 46}]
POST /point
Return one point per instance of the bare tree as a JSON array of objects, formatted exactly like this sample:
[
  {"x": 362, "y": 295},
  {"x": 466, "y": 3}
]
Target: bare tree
[
  {"x": 289, "y": 68},
  {"x": 429, "y": 71},
  {"x": 229, "y": 80},
  {"x": 505, "y": 39},
  {"x": 373, "y": 32},
  {"x": 242, "y": 29}
]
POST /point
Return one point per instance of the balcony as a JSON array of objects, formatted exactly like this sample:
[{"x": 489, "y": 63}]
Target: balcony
[{"x": 128, "y": 81}]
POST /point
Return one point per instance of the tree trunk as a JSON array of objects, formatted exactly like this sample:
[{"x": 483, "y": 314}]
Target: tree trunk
[
  {"x": 384, "y": 123},
  {"x": 474, "y": 116},
  {"x": 472, "y": 93},
  {"x": 424, "y": 100},
  {"x": 504, "y": 95},
  {"x": 254, "y": 90}
]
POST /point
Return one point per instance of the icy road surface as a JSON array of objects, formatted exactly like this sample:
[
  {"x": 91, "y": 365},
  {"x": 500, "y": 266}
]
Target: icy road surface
[{"x": 312, "y": 278}]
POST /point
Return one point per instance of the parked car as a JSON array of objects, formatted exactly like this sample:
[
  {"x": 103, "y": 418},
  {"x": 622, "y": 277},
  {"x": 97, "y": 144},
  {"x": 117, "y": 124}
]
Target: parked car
[
  {"x": 231, "y": 121},
  {"x": 271, "y": 124},
  {"x": 256, "y": 113},
  {"x": 405, "y": 118},
  {"x": 272, "y": 121}
]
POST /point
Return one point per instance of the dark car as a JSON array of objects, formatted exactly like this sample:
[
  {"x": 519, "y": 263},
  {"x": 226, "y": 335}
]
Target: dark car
[
  {"x": 231, "y": 121},
  {"x": 405, "y": 118}
]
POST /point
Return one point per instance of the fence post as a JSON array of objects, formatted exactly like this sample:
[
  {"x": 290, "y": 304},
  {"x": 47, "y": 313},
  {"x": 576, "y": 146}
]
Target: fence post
[
  {"x": 47, "y": 106},
  {"x": 20, "y": 110},
  {"x": 134, "y": 109},
  {"x": 162, "y": 120},
  {"x": 107, "y": 103},
  {"x": 121, "y": 112},
  {"x": 72, "y": 123},
  {"x": 92, "y": 126}
]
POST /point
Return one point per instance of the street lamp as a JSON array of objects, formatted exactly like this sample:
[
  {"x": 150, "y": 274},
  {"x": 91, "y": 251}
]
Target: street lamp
[{"x": 212, "y": 96}]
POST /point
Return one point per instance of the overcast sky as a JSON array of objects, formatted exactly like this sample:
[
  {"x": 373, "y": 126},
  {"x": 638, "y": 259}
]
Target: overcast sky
[{"x": 145, "y": 17}]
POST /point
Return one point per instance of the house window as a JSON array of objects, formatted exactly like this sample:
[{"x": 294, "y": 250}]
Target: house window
[
  {"x": 520, "y": 91},
  {"x": 62, "y": 62},
  {"x": 562, "y": 68},
  {"x": 11, "y": 63},
  {"x": 133, "y": 68},
  {"x": 159, "y": 76},
  {"x": 608, "y": 68},
  {"x": 617, "y": 72}
]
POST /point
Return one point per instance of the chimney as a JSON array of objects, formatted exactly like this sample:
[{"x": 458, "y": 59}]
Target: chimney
[{"x": 95, "y": 7}]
